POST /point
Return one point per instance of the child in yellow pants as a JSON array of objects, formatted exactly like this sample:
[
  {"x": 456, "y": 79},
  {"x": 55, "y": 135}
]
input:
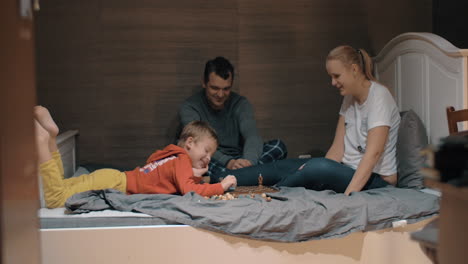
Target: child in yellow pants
[{"x": 176, "y": 169}]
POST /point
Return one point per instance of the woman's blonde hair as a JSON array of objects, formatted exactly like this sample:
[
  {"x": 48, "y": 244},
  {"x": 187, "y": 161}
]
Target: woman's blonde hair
[
  {"x": 349, "y": 55},
  {"x": 196, "y": 130}
]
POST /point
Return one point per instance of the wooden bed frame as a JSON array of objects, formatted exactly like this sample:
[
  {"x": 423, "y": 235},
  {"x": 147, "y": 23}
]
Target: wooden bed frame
[
  {"x": 185, "y": 244},
  {"x": 425, "y": 72}
]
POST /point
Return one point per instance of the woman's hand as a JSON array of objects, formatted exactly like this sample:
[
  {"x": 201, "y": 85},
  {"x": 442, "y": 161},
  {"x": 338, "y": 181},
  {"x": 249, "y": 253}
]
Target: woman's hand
[{"x": 376, "y": 139}]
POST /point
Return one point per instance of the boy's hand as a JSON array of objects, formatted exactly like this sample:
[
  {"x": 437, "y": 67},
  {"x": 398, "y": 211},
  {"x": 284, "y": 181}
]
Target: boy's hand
[
  {"x": 199, "y": 172},
  {"x": 229, "y": 181}
]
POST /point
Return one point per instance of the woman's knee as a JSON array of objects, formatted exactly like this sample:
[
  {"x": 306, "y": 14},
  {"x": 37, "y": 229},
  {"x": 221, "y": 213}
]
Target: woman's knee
[
  {"x": 323, "y": 173},
  {"x": 320, "y": 165}
]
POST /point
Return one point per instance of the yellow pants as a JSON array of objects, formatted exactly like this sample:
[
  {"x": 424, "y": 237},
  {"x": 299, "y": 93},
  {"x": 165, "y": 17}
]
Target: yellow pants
[{"x": 57, "y": 189}]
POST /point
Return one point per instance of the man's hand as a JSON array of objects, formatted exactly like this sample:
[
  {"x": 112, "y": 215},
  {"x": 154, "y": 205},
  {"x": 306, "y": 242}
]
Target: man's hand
[
  {"x": 229, "y": 181},
  {"x": 199, "y": 172},
  {"x": 235, "y": 164}
]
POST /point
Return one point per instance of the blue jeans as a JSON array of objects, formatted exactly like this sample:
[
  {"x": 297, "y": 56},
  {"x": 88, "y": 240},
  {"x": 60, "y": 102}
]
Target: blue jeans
[
  {"x": 316, "y": 174},
  {"x": 273, "y": 150}
]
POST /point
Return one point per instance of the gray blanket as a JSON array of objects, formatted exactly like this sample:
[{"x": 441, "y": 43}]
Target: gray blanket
[{"x": 294, "y": 214}]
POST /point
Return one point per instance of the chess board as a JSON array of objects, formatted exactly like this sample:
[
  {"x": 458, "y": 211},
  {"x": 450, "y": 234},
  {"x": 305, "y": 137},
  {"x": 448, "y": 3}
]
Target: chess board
[
  {"x": 248, "y": 191},
  {"x": 258, "y": 189}
]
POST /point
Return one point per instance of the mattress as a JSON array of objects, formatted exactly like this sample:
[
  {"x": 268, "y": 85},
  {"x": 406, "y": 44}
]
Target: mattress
[{"x": 59, "y": 218}]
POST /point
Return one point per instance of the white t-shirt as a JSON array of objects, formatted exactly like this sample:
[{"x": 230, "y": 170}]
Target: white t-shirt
[{"x": 379, "y": 109}]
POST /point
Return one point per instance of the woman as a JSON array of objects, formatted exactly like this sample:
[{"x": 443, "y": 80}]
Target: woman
[{"x": 363, "y": 153}]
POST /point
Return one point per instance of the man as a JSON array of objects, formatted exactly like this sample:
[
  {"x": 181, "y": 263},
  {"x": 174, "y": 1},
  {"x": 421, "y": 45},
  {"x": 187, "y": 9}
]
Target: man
[{"x": 231, "y": 115}]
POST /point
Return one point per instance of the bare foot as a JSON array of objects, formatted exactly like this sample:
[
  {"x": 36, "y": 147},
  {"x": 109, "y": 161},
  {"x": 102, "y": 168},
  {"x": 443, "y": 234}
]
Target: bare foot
[
  {"x": 44, "y": 118},
  {"x": 42, "y": 143},
  {"x": 41, "y": 135}
]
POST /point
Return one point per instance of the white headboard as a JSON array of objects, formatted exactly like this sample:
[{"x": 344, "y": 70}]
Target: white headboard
[{"x": 426, "y": 73}]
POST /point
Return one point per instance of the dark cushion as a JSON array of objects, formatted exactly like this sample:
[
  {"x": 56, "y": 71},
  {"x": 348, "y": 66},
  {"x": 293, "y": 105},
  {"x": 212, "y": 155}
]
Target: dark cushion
[{"x": 412, "y": 138}]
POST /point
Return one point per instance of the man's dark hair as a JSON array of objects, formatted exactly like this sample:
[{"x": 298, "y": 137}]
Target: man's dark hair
[{"x": 220, "y": 66}]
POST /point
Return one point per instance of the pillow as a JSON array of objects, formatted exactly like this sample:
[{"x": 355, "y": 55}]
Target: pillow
[{"x": 412, "y": 138}]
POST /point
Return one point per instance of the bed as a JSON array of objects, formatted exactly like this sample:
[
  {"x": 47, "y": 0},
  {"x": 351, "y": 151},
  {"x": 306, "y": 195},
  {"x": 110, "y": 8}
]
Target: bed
[
  {"x": 435, "y": 70},
  {"x": 123, "y": 237}
]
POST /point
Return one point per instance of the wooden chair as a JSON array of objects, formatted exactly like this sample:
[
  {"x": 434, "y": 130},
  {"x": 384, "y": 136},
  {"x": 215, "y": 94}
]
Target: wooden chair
[{"x": 453, "y": 117}]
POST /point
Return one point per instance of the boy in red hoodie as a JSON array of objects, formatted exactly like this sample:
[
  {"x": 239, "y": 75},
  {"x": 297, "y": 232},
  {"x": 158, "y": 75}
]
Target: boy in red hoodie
[{"x": 173, "y": 170}]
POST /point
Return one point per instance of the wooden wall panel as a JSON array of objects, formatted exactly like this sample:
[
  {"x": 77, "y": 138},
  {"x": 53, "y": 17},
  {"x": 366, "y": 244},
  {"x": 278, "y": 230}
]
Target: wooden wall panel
[
  {"x": 449, "y": 21},
  {"x": 399, "y": 17},
  {"x": 282, "y": 52},
  {"x": 118, "y": 70}
]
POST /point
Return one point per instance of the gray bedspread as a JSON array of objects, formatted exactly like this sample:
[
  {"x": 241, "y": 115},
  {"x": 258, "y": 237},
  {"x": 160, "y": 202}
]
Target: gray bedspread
[{"x": 294, "y": 214}]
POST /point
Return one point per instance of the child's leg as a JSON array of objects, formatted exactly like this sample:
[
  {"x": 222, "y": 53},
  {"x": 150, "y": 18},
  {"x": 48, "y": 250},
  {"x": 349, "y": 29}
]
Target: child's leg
[
  {"x": 44, "y": 118},
  {"x": 48, "y": 169},
  {"x": 58, "y": 160},
  {"x": 57, "y": 190},
  {"x": 97, "y": 180},
  {"x": 42, "y": 143},
  {"x": 52, "y": 184}
]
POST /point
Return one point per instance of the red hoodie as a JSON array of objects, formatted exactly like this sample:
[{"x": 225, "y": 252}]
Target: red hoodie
[{"x": 169, "y": 171}]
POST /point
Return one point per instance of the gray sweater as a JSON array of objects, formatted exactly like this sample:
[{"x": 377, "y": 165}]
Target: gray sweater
[{"x": 235, "y": 125}]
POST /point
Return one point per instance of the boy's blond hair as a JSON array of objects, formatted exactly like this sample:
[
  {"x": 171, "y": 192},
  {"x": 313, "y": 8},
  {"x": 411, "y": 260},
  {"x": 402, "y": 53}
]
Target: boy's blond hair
[{"x": 196, "y": 130}]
